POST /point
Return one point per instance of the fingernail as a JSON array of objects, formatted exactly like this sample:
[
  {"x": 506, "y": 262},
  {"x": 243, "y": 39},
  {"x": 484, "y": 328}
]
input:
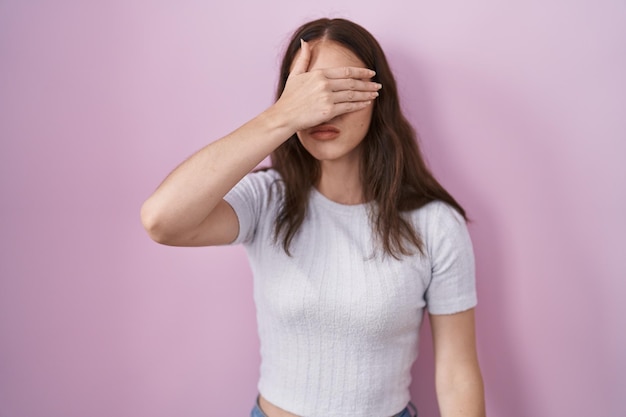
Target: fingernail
[
  {"x": 379, "y": 86},
  {"x": 301, "y": 42}
]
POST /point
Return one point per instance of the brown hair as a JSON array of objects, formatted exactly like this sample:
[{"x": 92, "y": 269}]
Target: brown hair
[{"x": 393, "y": 172}]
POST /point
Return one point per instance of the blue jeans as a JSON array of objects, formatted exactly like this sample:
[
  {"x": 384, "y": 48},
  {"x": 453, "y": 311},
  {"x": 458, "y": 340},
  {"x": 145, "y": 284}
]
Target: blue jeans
[{"x": 257, "y": 412}]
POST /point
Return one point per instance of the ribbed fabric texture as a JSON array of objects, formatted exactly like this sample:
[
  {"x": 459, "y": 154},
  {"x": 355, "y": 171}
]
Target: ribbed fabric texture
[{"x": 339, "y": 321}]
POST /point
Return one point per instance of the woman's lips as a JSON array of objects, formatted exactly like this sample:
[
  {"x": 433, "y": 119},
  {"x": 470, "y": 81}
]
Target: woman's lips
[{"x": 324, "y": 132}]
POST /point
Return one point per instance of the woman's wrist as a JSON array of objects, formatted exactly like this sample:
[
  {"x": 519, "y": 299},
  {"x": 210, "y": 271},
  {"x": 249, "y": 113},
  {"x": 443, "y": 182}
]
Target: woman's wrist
[{"x": 277, "y": 123}]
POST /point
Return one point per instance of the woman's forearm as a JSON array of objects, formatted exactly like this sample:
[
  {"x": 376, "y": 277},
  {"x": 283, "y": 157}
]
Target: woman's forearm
[
  {"x": 187, "y": 196},
  {"x": 460, "y": 393}
]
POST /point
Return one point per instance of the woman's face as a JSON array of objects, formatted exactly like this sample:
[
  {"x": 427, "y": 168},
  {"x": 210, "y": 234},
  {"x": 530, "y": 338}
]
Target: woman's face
[{"x": 338, "y": 139}]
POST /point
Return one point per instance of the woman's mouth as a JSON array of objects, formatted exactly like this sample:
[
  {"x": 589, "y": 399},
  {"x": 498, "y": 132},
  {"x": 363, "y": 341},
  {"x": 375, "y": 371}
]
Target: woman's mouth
[{"x": 324, "y": 132}]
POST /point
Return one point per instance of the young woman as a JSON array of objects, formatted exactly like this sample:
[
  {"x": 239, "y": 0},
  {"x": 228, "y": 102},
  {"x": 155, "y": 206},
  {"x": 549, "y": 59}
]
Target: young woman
[{"x": 348, "y": 234}]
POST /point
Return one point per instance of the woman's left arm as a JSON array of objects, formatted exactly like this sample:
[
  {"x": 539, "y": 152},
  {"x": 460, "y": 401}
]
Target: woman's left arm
[{"x": 458, "y": 380}]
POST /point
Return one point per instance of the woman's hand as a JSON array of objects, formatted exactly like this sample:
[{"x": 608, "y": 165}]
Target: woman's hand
[{"x": 312, "y": 98}]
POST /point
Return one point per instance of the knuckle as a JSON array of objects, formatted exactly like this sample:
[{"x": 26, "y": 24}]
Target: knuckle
[{"x": 349, "y": 107}]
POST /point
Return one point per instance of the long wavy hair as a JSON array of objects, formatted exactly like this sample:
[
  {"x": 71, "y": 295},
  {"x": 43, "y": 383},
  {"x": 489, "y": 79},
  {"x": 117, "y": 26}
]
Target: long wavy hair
[{"x": 393, "y": 172}]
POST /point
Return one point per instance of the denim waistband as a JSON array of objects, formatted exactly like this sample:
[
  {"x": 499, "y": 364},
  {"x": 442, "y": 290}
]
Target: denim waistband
[{"x": 409, "y": 411}]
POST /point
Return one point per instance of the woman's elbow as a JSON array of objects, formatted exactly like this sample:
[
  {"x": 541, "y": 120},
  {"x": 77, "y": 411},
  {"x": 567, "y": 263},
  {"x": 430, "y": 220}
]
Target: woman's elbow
[{"x": 153, "y": 223}]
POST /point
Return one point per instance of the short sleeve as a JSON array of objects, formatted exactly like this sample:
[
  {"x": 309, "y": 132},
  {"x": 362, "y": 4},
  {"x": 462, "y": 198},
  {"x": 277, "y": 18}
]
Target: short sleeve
[
  {"x": 249, "y": 199},
  {"x": 452, "y": 287}
]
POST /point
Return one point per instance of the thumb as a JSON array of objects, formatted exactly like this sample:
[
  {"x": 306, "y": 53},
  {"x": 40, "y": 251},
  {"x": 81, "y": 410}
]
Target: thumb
[{"x": 302, "y": 62}]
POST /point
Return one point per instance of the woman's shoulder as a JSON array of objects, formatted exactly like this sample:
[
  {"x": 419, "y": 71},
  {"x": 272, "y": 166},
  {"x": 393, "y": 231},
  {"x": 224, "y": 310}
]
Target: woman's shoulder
[
  {"x": 265, "y": 174},
  {"x": 438, "y": 218},
  {"x": 256, "y": 186},
  {"x": 437, "y": 210},
  {"x": 262, "y": 179}
]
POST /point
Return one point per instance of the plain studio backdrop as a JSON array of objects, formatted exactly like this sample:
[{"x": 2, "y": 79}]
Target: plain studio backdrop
[{"x": 521, "y": 110}]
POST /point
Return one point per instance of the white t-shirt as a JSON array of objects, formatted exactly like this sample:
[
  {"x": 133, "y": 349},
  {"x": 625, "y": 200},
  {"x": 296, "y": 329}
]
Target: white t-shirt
[{"x": 339, "y": 321}]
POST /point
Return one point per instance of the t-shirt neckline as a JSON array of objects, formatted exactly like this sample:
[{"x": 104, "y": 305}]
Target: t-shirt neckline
[{"x": 349, "y": 209}]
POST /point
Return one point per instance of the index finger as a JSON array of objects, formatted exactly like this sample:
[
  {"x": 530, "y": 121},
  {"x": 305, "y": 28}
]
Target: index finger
[
  {"x": 349, "y": 72},
  {"x": 301, "y": 62}
]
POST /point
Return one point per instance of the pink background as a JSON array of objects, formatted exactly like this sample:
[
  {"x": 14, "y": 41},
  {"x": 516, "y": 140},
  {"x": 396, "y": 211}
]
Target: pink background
[{"x": 522, "y": 111}]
